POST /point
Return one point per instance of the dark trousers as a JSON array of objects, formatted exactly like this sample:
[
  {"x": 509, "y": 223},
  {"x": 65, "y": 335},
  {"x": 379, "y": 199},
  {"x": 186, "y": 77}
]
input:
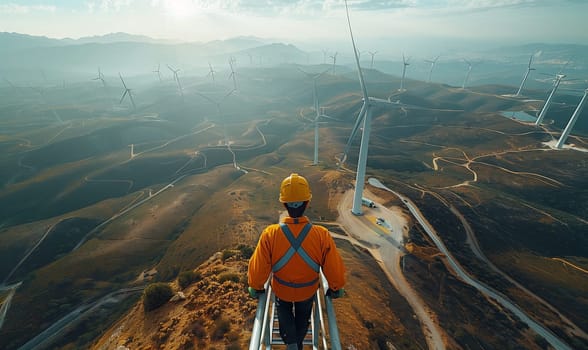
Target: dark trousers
[{"x": 294, "y": 320}]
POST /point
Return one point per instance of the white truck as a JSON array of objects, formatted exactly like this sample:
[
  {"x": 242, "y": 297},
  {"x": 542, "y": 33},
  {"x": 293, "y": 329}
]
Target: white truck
[{"x": 368, "y": 203}]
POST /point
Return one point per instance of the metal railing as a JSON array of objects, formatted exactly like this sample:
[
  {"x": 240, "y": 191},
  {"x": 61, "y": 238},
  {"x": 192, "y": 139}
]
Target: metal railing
[{"x": 261, "y": 334}]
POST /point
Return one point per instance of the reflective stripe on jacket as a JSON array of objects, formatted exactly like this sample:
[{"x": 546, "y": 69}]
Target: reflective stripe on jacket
[{"x": 292, "y": 281}]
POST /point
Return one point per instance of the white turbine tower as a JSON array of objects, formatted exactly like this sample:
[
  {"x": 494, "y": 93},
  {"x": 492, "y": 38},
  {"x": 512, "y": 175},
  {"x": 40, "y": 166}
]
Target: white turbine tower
[
  {"x": 365, "y": 115},
  {"x": 405, "y": 63},
  {"x": 318, "y": 113},
  {"x": 558, "y": 78},
  {"x": 372, "y": 62},
  {"x": 529, "y": 69},
  {"x": 177, "y": 79},
  {"x": 467, "y": 77},
  {"x": 568, "y": 129},
  {"x": 233, "y": 74},
  {"x": 432, "y": 62},
  {"x": 127, "y": 91}
]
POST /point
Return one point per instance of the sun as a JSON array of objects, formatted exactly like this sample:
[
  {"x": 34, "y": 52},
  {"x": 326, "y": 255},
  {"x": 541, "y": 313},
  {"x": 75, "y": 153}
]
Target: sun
[{"x": 180, "y": 8}]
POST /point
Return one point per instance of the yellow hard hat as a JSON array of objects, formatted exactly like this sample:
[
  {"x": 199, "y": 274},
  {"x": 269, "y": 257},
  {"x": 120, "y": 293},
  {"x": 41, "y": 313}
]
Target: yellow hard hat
[{"x": 294, "y": 188}]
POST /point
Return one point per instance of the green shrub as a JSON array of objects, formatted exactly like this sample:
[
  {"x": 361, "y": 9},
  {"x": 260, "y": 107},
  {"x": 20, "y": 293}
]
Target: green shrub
[
  {"x": 246, "y": 251},
  {"x": 220, "y": 328},
  {"x": 155, "y": 295},
  {"x": 227, "y": 254},
  {"x": 233, "y": 346},
  {"x": 186, "y": 278},
  {"x": 229, "y": 276}
]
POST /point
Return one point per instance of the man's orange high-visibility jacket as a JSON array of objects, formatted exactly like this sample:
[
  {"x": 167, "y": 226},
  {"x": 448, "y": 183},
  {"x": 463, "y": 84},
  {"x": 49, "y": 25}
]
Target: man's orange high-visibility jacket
[{"x": 296, "y": 279}]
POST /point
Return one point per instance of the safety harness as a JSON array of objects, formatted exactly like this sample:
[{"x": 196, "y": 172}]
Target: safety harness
[{"x": 295, "y": 247}]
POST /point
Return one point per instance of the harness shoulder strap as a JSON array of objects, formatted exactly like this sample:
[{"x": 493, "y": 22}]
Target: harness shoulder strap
[{"x": 295, "y": 247}]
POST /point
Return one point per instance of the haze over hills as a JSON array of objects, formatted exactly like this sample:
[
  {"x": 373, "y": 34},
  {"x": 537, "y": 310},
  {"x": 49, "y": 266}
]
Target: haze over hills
[
  {"x": 140, "y": 55},
  {"x": 99, "y": 196}
]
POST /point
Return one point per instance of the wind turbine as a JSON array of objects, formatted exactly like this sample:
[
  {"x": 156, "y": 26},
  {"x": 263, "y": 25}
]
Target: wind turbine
[
  {"x": 218, "y": 107},
  {"x": 405, "y": 63},
  {"x": 233, "y": 75},
  {"x": 100, "y": 77},
  {"x": 529, "y": 69},
  {"x": 467, "y": 77},
  {"x": 211, "y": 72},
  {"x": 373, "y": 54},
  {"x": 325, "y": 52},
  {"x": 176, "y": 78},
  {"x": 432, "y": 62},
  {"x": 318, "y": 111},
  {"x": 158, "y": 72},
  {"x": 127, "y": 91},
  {"x": 568, "y": 129},
  {"x": 334, "y": 57},
  {"x": 558, "y": 78},
  {"x": 365, "y": 115}
]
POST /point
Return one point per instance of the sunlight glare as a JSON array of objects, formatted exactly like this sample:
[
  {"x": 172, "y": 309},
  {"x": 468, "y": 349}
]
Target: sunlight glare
[{"x": 180, "y": 9}]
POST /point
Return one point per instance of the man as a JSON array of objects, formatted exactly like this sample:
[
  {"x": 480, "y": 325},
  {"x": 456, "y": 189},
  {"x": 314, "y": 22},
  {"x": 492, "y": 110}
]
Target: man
[{"x": 294, "y": 251}]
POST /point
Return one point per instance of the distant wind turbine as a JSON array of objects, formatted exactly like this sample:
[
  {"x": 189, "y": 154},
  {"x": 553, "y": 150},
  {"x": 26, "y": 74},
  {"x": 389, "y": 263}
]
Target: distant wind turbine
[
  {"x": 558, "y": 79},
  {"x": 319, "y": 113},
  {"x": 177, "y": 78},
  {"x": 529, "y": 69},
  {"x": 218, "y": 103},
  {"x": 334, "y": 57},
  {"x": 233, "y": 74},
  {"x": 126, "y": 92},
  {"x": 158, "y": 71},
  {"x": 211, "y": 72},
  {"x": 325, "y": 53},
  {"x": 467, "y": 77},
  {"x": 573, "y": 119},
  {"x": 373, "y": 54},
  {"x": 432, "y": 62},
  {"x": 405, "y": 63},
  {"x": 100, "y": 77}
]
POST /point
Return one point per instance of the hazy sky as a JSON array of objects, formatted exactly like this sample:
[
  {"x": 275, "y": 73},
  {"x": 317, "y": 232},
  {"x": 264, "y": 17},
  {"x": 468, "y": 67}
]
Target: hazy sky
[{"x": 510, "y": 21}]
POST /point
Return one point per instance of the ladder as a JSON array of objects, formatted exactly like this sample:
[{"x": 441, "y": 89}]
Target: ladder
[{"x": 266, "y": 327}]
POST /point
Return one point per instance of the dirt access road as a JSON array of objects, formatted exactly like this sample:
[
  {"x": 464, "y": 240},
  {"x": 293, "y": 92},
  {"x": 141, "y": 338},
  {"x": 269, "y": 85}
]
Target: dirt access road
[{"x": 386, "y": 246}]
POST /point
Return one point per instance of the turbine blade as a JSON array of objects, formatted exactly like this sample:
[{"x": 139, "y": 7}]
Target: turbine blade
[
  {"x": 132, "y": 101},
  {"x": 228, "y": 94},
  {"x": 328, "y": 117},
  {"x": 354, "y": 130},
  {"x": 361, "y": 80},
  {"x": 123, "y": 82},
  {"x": 123, "y": 96},
  {"x": 206, "y": 97}
]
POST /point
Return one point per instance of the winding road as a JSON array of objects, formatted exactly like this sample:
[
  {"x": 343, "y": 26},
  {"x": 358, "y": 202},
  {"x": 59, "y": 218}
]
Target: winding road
[
  {"x": 549, "y": 336},
  {"x": 386, "y": 246}
]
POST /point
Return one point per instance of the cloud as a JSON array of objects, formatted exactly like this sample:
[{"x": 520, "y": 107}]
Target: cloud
[
  {"x": 108, "y": 5},
  {"x": 290, "y": 7},
  {"x": 482, "y": 5},
  {"x": 15, "y": 9}
]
